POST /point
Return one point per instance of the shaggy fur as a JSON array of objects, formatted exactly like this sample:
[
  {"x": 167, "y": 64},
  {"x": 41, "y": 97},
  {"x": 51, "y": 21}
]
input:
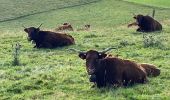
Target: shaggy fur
[
  {"x": 48, "y": 39},
  {"x": 112, "y": 70},
  {"x": 146, "y": 24}
]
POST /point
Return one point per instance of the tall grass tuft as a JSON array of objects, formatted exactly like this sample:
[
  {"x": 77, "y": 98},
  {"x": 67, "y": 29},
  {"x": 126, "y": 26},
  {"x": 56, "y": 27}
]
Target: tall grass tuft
[
  {"x": 16, "y": 49},
  {"x": 151, "y": 41}
]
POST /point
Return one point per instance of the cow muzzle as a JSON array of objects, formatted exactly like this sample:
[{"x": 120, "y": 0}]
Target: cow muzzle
[
  {"x": 92, "y": 78},
  {"x": 91, "y": 71}
]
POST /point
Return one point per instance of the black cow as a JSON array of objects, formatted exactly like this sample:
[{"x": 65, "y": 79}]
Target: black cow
[
  {"x": 146, "y": 23},
  {"x": 48, "y": 39}
]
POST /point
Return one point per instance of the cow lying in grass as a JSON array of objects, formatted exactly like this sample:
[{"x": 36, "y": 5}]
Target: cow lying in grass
[
  {"x": 146, "y": 23},
  {"x": 113, "y": 70},
  {"x": 48, "y": 39},
  {"x": 65, "y": 26}
]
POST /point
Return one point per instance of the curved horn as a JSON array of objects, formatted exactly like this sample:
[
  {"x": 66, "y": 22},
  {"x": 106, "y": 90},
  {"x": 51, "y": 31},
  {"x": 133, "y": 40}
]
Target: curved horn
[
  {"x": 75, "y": 50},
  {"x": 108, "y": 49},
  {"x": 40, "y": 25},
  {"x": 23, "y": 26}
]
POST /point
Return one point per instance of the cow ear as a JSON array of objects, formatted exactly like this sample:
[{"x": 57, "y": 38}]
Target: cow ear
[
  {"x": 37, "y": 30},
  {"x": 102, "y": 55},
  {"x": 82, "y": 55}
]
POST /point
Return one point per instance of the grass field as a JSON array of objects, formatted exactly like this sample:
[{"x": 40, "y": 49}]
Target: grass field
[
  {"x": 58, "y": 74},
  {"x": 155, "y": 3}
]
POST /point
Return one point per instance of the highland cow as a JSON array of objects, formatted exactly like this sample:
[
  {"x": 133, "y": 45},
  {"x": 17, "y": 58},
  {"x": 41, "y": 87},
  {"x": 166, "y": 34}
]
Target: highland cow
[
  {"x": 112, "y": 70},
  {"x": 146, "y": 23},
  {"x": 48, "y": 39},
  {"x": 65, "y": 26}
]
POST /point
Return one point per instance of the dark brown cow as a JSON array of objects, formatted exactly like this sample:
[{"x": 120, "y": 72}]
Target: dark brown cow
[
  {"x": 48, "y": 39},
  {"x": 65, "y": 26},
  {"x": 146, "y": 23},
  {"x": 151, "y": 70},
  {"x": 112, "y": 70}
]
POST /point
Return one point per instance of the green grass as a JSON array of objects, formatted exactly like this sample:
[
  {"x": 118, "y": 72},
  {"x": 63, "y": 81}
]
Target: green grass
[
  {"x": 154, "y": 3},
  {"x": 18, "y": 8},
  {"x": 58, "y": 74}
]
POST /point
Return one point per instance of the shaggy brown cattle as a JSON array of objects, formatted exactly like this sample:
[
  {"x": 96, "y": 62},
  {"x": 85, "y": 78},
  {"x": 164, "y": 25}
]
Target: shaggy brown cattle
[
  {"x": 65, "y": 26},
  {"x": 112, "y": 70},
  {"x": 146, "y": 23},
  {"x": 48, "y": 39},
  {"x": 151, "y": 70}
]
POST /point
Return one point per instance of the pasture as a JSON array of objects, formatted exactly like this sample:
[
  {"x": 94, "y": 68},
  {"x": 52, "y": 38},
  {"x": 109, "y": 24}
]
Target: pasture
[
  {"x": 59, "y": 74},
  {"x": 155, "y": 3}
]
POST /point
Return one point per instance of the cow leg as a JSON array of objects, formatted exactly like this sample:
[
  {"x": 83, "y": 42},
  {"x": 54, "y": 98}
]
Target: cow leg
[
  {"x": 100, "y": 79},
  {"x": 47, "y": 45},
  {"x": 37, "y": 45},
  {"x": 133, "y": 24}
]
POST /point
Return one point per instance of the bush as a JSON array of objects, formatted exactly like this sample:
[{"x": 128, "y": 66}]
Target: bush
[
  {"x": 151, "y": 41},
  {"x": 16, "y": 49}
]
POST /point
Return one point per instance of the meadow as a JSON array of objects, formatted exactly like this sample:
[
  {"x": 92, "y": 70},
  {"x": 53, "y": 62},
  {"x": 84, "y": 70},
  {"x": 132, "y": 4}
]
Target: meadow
[
  {"x": 59, "y": 74},
  {"x": 155, "y": 3}
]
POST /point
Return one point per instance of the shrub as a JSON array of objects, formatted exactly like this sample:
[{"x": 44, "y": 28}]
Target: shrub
[
  {"x": 151, "y": 41},
  {"x": 16, "y": 49}
]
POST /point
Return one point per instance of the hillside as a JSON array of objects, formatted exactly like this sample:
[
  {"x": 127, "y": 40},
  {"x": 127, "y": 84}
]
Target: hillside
[
  {"x": 154, "y": 3},
  {"x": 58, "y": 74}
]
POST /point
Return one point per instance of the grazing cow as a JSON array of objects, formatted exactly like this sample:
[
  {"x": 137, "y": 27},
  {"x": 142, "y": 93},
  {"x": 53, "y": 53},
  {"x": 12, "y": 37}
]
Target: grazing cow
[
  {"x": 151, "y": 70},
  {"x": 65, "y": 26},
  {"x": 146, "y": 23},
  {"x": 112, "y": 70},
  {"x": 48, "y": 39}
]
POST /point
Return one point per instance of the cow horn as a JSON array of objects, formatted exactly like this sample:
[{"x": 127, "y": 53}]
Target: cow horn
[
  {"x": 40, "y": 25},
  {"x": 108, "y": 49},
  {"x": 23, "y": 26},
  {"x": 75, "y": 50}
]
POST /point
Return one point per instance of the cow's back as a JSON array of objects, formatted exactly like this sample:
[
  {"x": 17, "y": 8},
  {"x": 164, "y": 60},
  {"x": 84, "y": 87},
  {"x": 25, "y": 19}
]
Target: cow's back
[
  {"x": 124, "y": 70},
  {"x": 58, "y": 39}
]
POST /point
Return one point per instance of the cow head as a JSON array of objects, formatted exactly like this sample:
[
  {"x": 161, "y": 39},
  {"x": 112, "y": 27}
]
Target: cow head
[
  {"x": 92, "y": 57},
  {"x": 138, "y": 18},
  {"x": 32, "y": 32},
  {"x": 87, "y": 26}
]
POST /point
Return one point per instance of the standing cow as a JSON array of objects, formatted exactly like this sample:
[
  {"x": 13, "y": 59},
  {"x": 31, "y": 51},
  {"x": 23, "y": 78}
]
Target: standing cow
[{"x": 48, "y": 39}]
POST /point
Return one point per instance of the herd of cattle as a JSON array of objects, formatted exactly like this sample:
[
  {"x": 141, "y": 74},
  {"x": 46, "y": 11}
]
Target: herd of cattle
[{"x": 103, "y": 69}]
